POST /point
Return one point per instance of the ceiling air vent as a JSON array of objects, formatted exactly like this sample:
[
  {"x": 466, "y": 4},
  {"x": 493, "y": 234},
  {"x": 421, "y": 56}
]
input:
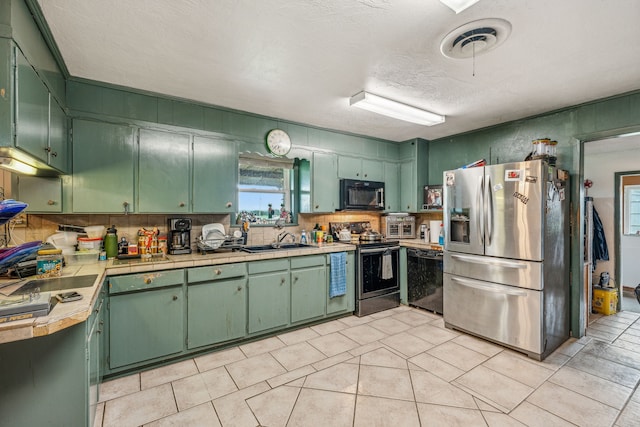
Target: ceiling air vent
[{"x": 475, "y": 38}]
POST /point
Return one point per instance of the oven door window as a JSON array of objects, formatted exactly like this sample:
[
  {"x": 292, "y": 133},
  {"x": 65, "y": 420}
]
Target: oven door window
[{"x": 377, "y": 280}]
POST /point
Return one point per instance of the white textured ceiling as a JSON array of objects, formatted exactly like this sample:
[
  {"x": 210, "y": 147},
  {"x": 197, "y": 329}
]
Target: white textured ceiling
[{"x": 301, "y": 60}]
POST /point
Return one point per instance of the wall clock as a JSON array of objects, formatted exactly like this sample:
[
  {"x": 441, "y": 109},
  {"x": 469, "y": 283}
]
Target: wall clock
[{"x": 278, "y": 142}]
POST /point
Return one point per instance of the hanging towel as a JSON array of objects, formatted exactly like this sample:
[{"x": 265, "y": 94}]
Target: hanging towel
[
  {"x": 387, "y": 267},
  {"x": 338, "y": 275}
]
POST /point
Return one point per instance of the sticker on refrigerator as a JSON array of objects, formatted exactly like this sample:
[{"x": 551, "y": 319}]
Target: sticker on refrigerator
[
  {"x": 513, "y": 175},
  {"x": 531, "y": 179},
  {"x": 524, "y": 199},
  {"x": 497, "y": 187},
  {"x": 450, "y": 179},
  {"x": 561, "y": 192}
]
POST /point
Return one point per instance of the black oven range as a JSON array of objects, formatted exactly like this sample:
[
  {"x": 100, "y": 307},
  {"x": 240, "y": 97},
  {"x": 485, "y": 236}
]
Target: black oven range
[{"x": 377, "y": 268}]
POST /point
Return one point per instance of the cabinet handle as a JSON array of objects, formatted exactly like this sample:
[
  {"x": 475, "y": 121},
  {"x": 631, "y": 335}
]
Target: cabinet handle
[
  {"x": 282, "y": 281},
  {"x": 175, "y": 297},
  {"x": 181, "y": 204},
  {"x": 239, "y": 288},
  {"x": 125, "y": 205},
  {"x": 317, "y": 206},
  {"x": 51, "y": 202},
  {"x": 229, "y": 204},
  {"x": 295, "y": 279},
  {"x": 54, "y": 154},
  {"x": 147, "y": 280},
  {"x": 47, "y": 149},
  {"x": 366, "y": 175},
  {"x": 218, "y": 271}
]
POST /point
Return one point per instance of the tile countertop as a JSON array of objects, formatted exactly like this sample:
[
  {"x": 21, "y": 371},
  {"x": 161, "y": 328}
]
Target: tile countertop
[{"x": 64, "y": 315}]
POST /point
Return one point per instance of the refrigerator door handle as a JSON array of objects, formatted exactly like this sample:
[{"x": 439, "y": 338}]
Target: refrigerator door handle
[
  {"x": 479, "y": 209},
  {"x": 498, "y": 289},
  {"x": 489, "y": 210},
  {"x": 485, "y": 261}
]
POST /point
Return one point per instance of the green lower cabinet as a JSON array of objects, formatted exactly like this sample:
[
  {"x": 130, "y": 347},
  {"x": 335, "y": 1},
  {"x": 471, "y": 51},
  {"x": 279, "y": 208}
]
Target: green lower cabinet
[
  {"x": 95, "y": 328},
  {"x": 145, "y": 325},
  {"x": 344, "y": 303},
  {"x": 308, "y": 291},
  {"x": 269, "y": 292},
  {"x": 216, "y": 311}
]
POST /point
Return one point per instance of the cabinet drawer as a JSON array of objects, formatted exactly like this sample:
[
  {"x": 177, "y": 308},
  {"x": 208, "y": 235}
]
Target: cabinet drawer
[
  {"x": 307, "y": 261},
  {"x": 151, "y": 280},
  {"x": 216, "y": 272},
  {"x": 257, "y": 267}
]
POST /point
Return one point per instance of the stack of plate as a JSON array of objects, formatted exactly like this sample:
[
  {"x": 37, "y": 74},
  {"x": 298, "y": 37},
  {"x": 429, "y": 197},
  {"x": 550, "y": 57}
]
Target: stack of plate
[{"x": 213, "y": 235}]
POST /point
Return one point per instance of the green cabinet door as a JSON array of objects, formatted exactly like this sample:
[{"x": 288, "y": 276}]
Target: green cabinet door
[
  {"x": 350, "y": 167},
  {"x": 346, "y": 302},
  {"x": 164, "y": 172},
  {"x": 391, "y": 187},
  {"x": 408, "y": 192},
  {"x": 41, "y": 194},
  {"x": 325, "y": 189},
  {"x": 308, "y": 293},
  {"x": 32, "y": 110},
  {"x": 103, "y": 167},
  {"x": 215, "y": 175},
  {"x": 217, "y": 311},
  {"x": 268, "y": 295},
  {"x": 372, "y": 170},
  {"x": 58, "y": 146},
  {"x": 145, "y": 325},
  {"x": 95, "y": 325}
]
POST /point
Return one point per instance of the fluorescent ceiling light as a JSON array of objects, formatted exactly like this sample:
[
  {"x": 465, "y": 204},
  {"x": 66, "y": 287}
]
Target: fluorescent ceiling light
[
  {"x": 17, "y": 166},
  {"x": 397, "y": 110},
  {"x": 458, "y": 5}
]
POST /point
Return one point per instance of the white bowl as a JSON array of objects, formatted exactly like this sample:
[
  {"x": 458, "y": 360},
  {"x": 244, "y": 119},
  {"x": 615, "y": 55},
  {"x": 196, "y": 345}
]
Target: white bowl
[{"x": 94, "y": 231}]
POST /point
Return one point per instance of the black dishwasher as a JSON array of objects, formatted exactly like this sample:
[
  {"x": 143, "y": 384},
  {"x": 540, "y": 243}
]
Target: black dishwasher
[{"x": 424, "y": 277}]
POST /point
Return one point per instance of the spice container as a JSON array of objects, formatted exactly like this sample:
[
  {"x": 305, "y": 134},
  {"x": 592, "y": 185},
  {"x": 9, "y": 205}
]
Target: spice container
[{"x": 49, "y": 263}]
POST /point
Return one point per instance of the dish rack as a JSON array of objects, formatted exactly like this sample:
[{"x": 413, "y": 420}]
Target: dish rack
[{"x": 212, "y": 245}]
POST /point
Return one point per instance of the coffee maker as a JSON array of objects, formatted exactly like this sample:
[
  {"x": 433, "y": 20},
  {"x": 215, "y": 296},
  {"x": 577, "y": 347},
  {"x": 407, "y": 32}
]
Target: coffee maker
[{"x": 179, "y": 236}]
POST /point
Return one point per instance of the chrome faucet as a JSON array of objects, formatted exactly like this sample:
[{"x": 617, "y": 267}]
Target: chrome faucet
[{"x": 284, "y": 235}]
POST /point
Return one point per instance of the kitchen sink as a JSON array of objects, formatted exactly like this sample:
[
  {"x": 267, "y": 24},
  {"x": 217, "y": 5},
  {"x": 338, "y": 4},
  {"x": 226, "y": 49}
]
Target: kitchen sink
[{"x": 275, "y": 247}]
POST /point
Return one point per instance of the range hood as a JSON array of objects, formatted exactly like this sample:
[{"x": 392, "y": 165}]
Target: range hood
[{"x": 18, "y": 162}]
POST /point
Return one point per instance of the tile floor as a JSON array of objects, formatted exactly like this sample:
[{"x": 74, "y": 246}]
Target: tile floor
[{"x": 400, "y": 367}]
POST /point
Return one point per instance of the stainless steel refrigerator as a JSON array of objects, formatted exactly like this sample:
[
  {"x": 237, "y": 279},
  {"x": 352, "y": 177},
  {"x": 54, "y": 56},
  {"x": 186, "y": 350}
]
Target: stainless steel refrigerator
[{"x": 506, "y": 255}]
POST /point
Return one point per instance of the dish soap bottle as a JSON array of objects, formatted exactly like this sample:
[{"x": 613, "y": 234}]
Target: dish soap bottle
[
  {"x": 441, "y": 236},
  {"x": 111, "y": 242},
  {"x": 303, "y": 237}
]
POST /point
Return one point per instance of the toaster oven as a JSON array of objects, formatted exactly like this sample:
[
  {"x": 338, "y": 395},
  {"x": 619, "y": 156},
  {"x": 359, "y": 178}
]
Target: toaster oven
[{"x": 399, "y": 226}]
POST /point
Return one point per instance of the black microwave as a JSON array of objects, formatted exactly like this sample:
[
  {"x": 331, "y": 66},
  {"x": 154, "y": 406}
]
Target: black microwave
[{"x": 361, "y": 195}]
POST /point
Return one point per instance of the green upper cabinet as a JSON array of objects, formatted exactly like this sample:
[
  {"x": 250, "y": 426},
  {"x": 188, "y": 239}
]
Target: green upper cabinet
[
  {"x": 391, "y": 187},
  {"x": 103, "y": 167},
  {"x": 41, "y": 194},
  {"x": 357, "y": 168},
  {"x": 41, "y": 124},
  {"x": 324, "y": 182},
  {"x": 408, "y": 199},
  {"x": 215, "y": 175},
  {"x": 164, "y": 172},
  {"x": 414, "y": 174}
]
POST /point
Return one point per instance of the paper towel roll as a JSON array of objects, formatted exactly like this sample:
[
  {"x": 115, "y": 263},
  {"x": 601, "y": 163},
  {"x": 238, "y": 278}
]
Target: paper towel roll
[{"x": 434, "y": 230}]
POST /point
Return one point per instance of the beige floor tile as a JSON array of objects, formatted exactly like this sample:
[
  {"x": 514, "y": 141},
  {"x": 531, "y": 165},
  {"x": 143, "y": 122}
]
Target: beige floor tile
[
  {"x": 610, "y": 328},
  {"x": 428, "y": 388},
  {"x": 375, "y": 411},
  {"x": 433, "y": 334},
  {"x": 333, "y": 360},
  {"x": 218, "y": 382},
  {"x": 438, "y": 367},
  {"x": 385, "y": 382},
  {"x": 289, "y": 377},
  {"x": 297, "y": 336},
  {"x": 333, "y": 344},
  {"x": 435, "y": 415},
  {"x": 99, "y": 415},
  {"x": 534, "y": 416},
  {"x": 613, "y": 353},
  {"x": 351, "y": 321},
  {"x": 572, "y": 406},
  {"x": 199, "y": 416},
  {"x": 233, "y": 410},
  {"x": 119, "y": 387},
  {"x": 415, "y": 317},
  {"x": 457, "y": 355},
  {"x": 629, "y": 416},
  {"x": 519, "y": 369},
  {"x": 342, "y": 377},
  {"x": 273, "y": 408},
  {"x": 606, "y": 369},
  {"x": 627, "y": 345},
  {"x": 297, "y": 355},
  {"x": 496, "y": 389},
  {"x": 190, "y": 392},
  {"x": 596, "y": 388},
  {"x": 570, "y": 347},
  {"x": 383, "y": 357},
  {"x": 632, "y": 331},
  {"x": 407, "y": 344},
  {"x": 317, "y": 407},
  {"x": 329, "y": 327},
  {"x": 635, "y": 339},
  {"x": 363, "y": 334},
  {"x": 262, "y": 346},
  {"x": 479, "y": 345},
  {"x": 497, "y": 419},
  {"x": 254, "y": 370},
  {"x": 219, "y": 358},
  {"x": 140, "y": 408},
  {"x": 365, "y": 348},
  {"x": 389, "y": 325},
  {"x": 166, "y": 374},
  {"x": 297, "y": 383},
  {"x": 484, "y": 406},
  {"x": 381, "y": 314},
  {"x": 602, "y": 336}
]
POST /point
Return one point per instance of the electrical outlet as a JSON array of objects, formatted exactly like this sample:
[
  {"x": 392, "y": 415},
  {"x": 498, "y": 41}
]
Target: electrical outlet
[{"x": 19, "y": 221}]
